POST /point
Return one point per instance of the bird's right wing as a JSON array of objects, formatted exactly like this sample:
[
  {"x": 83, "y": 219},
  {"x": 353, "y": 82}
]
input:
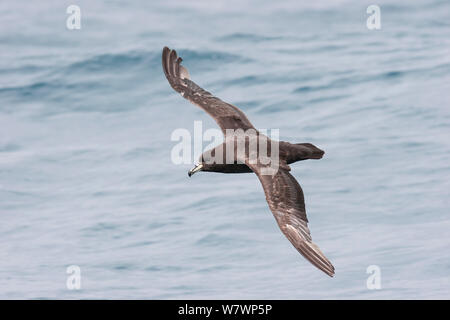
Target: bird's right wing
[
  {"x": 226, "y": 115},
  {"x": 286, "y": 201}
]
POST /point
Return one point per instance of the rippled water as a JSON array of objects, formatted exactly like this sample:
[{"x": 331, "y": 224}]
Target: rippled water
[{"x": 86, "y": 177}]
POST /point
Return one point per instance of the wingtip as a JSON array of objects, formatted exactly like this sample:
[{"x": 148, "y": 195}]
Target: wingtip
[
  {"x": 328, "y": 270},
  {"x": 172, "y": 67},
  {"x": 165, "y": 52},
  {"x": 314, "y": 255},
  {"x": 331, "y": 273}
]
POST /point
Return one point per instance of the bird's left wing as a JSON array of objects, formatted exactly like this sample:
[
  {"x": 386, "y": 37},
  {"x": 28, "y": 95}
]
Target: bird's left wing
[{"x": 286, "y": 201}]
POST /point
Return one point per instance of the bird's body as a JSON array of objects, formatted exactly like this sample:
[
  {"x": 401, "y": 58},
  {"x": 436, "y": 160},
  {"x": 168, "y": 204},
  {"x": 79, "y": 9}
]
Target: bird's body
[{"x": 238, "y": 154}]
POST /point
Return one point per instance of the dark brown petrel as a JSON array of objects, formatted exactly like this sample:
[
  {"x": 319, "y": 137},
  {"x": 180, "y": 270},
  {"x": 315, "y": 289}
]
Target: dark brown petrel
[{"x": 283, "y": 193}]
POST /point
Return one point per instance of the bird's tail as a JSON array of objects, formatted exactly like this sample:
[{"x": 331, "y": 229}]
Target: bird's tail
[
  {"x": 314, "y": 152},
  {"x": 303, "y": 151}
]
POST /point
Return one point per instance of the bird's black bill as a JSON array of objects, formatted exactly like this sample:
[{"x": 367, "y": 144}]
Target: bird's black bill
[{"x": 195, "y": 169}]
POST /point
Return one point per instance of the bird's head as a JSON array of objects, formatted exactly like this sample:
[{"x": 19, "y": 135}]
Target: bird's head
[{"x": 207, "y": 162}]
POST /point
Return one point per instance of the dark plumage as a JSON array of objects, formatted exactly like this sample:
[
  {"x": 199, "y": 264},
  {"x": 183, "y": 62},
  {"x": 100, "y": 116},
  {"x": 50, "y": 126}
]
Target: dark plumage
[{"x": 283, "y": 193}]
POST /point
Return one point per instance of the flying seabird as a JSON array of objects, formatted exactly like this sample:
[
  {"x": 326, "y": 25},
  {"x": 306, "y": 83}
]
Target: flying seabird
[{"x": 283, "y": 193}]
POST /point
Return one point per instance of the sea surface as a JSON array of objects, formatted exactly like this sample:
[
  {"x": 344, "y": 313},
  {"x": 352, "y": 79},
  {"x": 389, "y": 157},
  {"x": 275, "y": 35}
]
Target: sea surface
[{"x": 87, "y": 178}]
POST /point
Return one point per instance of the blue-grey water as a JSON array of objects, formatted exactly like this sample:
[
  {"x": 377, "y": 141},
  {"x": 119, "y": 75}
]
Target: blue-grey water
[{"x": 86, "y": 176}]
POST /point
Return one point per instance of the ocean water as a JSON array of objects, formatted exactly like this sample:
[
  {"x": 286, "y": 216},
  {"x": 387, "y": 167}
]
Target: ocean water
[{"x": 86, "y": 176}]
